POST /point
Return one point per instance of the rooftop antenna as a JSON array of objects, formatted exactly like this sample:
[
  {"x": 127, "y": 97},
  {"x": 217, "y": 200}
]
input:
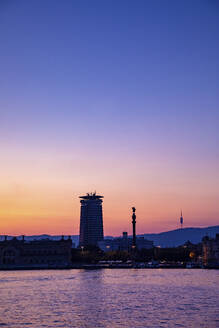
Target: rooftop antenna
[{"x": 181, "y": 220}]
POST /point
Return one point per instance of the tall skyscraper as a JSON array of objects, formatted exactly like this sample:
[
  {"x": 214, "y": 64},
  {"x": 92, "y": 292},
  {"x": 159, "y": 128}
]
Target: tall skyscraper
[{"x": 91, "y": 221}]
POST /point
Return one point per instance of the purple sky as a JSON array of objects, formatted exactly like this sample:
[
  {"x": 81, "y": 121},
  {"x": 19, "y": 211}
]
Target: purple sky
[{"x": 116, "y": 96}]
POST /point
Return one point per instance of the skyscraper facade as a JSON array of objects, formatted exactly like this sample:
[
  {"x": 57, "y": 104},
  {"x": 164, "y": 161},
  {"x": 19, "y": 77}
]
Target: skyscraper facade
[{"x": 91, "y": 220}]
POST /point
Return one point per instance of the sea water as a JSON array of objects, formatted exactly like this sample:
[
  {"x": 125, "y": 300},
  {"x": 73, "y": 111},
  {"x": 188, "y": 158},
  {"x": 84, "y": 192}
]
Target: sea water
[{"x": 110, "y": 298}]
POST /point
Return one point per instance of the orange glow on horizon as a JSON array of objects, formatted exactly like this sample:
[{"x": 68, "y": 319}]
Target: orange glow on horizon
[{"x": 40, "y": 195}]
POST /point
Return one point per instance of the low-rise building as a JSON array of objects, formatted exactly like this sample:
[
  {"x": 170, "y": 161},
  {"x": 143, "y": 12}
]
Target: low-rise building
[
  {"x": 210, "y": 248},
  {"x": 143, "y": 243},
  {"x": 124, "y": 243},
  {"x": 44, "y": 253}
]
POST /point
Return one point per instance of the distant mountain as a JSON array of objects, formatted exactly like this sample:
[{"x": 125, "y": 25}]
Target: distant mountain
[
  {"x": 171, "y": 238},
  {"x": 178, "y": 237}
]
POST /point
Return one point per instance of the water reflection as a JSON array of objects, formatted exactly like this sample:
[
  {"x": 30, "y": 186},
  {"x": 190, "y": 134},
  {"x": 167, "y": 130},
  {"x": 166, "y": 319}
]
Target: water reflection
[{"x": 91, "y": 293}]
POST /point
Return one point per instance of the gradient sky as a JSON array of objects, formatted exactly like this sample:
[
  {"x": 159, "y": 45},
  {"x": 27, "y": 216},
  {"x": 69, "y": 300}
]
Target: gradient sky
[{"x": 117, "y": 96}]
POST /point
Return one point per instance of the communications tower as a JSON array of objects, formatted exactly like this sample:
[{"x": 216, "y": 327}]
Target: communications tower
[{"x": 181, "y": 220}]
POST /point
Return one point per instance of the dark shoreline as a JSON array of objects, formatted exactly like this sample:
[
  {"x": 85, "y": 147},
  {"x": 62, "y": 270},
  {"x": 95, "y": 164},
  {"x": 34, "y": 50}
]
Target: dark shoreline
[{"x": 96, "y": 267}]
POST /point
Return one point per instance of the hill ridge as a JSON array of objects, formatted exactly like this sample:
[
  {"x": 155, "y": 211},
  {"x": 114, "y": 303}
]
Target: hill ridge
[{"x": 171, "y": 238}]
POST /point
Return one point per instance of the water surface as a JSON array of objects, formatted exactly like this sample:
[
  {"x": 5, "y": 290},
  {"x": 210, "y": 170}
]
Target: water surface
[{"x": 109, "y": 298}]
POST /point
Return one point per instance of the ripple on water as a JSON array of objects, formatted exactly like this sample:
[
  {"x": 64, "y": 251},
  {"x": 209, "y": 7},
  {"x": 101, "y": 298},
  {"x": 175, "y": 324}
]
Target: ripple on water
[{"x": 109, "y": 298}]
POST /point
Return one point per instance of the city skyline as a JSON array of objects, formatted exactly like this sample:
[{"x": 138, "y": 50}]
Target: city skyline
[
  {"x": 116, "y": 97},
  {"x": 128, "y": 225}
]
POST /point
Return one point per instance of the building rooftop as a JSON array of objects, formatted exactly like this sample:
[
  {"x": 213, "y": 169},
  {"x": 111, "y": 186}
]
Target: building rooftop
[{"x": 91, "y": 196}]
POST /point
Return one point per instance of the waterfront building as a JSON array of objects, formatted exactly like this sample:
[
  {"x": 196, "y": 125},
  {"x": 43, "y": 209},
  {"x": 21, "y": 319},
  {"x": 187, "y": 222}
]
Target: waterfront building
[
  {"x": 38, "y": 254},
  {"x": 124, "y": 243},
  {"x": 210, "y": 248},
  {"x": 143, "y": 243},
  {"x": 121, "y": 243},
  {"x": 91, "y": 220}
]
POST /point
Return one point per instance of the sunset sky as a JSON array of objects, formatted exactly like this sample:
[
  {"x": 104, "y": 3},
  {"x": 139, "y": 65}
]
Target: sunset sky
[{"x": 117, "y": 96}]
